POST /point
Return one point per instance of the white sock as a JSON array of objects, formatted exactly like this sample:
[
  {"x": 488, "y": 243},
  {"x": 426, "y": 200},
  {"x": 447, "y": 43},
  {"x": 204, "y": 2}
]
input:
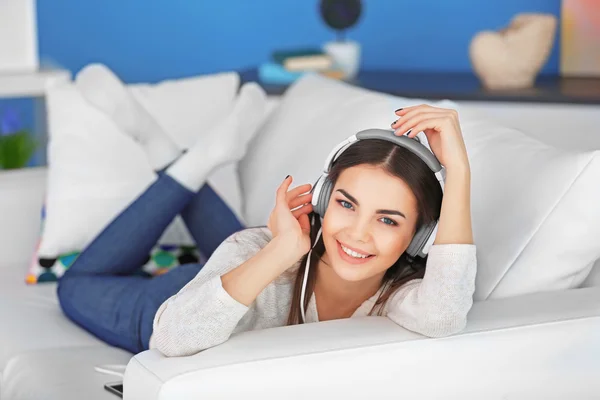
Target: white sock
[
  {"x": 226, "y": 142},
  {"x": 105, "y": 91}
]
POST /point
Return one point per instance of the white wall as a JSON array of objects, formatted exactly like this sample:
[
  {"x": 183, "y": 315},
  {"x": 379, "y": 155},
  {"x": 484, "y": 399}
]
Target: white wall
[{"x": 18, "y": 36}]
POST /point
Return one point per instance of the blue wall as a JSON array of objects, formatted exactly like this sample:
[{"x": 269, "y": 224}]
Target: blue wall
[{"x": 149, "y": 40}]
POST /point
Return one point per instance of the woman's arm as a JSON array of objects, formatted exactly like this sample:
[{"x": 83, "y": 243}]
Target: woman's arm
[
  {"x": 454, "y": 226},
  {"x": 203, "y": 314},
  {"x": 442, "y": 128},
  {"x": 245, "y": 282},
  {"x": 438, "y": 304},
  {"x": 206, "y": 311},
  {"x": 291, "y": 240}
]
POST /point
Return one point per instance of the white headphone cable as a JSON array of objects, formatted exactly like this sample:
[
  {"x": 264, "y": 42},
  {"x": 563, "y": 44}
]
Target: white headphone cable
[{"x": 304, "y": 281}]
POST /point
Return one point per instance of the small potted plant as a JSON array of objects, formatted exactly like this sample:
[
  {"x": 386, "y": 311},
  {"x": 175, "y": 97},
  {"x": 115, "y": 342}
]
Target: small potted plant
[
  {"x": 340, "y": 15},
  {"x": 17, "y": 145}
]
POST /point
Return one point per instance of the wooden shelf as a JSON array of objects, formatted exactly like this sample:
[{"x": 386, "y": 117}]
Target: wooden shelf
[
  {"x": 30, "y": 84},
  {"x": 461, "y": 86}
]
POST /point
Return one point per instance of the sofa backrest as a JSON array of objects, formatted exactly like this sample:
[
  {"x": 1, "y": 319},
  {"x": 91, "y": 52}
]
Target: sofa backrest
[{"x": 22, "y": 192}]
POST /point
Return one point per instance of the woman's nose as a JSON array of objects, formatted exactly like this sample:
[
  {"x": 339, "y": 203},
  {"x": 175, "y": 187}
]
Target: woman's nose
[{"x": 360, "y": 231}]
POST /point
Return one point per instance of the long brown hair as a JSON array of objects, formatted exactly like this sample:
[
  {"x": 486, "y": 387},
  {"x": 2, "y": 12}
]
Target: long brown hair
[{"x": 398, "y": 162}]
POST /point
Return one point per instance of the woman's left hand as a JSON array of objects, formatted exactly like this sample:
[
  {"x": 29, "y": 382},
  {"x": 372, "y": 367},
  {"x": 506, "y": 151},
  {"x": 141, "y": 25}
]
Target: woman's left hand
[{"x": 442, "y": 128}]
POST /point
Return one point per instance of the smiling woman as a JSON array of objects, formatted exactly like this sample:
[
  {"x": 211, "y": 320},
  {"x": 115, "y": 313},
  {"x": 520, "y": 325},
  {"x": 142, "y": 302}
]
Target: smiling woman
[
  {"x": 382, "y": 193},
  {"x": 367, "y": 227}
]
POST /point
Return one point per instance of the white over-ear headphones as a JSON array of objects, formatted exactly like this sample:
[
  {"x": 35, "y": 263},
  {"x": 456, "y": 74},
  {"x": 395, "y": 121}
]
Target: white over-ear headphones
[{"x": 425, "y": 236}]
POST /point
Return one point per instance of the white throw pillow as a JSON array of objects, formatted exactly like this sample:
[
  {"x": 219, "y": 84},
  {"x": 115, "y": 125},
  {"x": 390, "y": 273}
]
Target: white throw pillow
[
  {"x": 534, "y": 207},
  {"x": 96, "y": 170},
  {"x": 535, "y": 210},
  {"x": 188, "y": 108}
]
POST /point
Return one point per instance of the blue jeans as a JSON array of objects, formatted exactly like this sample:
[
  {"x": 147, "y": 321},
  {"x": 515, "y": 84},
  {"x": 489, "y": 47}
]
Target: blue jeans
[{"x": 103, "y": 291}]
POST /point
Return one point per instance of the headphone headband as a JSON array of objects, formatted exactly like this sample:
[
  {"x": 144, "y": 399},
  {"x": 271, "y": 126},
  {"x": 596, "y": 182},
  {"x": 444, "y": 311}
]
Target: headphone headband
[
  {"x": 388, "y": 135},
  {"x": 403, "y": 141}
]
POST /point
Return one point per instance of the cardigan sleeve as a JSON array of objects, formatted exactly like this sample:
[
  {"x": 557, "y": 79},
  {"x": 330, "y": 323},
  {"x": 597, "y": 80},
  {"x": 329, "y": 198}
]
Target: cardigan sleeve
[
  {"x": 202, "y": 314},
  {"x": 438, "y": 304}
]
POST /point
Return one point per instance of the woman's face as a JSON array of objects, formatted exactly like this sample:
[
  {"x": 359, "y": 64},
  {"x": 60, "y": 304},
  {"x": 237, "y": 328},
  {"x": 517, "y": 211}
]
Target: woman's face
[{"x": 369, "y": 222}]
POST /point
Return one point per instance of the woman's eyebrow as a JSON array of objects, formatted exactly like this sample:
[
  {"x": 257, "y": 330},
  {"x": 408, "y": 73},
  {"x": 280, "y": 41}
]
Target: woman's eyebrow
[
  {"x": 391, "y": 212},
  {"x": 350, "y": 197},
  {"x": 353, "y": 199}
]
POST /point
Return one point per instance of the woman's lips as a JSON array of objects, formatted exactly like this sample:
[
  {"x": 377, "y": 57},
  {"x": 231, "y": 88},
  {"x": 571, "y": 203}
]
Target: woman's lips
[{"x": 349, "y": 259}]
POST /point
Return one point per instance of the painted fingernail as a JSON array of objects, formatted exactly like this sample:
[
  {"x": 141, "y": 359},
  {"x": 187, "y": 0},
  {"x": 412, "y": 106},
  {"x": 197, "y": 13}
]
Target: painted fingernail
[
  {"x": 394, "y": 123},
  {"x": 409, "y": 131},
  {"x": 398, "y": 110},
  {"x": 286, "y": 177}
]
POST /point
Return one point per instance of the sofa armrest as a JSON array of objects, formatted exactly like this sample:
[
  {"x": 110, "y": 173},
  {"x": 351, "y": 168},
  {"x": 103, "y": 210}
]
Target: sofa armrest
[
  {"x": 21, "y": 198},
  {"x": 544, "y": 345}
]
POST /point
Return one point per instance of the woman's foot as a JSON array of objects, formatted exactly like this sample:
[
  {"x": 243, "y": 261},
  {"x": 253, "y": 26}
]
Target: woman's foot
[
  {"x": 105, "y": 91},
  {"x": 227, "y": 142}
]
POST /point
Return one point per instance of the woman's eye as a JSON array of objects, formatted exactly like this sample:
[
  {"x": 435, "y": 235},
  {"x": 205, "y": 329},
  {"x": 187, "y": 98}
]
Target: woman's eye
[
  {"x": 389, "y": 221},
  {"x": 345, "y": 204}
]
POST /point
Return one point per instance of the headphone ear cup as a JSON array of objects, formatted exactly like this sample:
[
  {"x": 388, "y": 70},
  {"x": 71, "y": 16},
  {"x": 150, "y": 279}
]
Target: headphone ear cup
[
  {"x": 324, "y": 195},
  {"x": 420, "y": 239}
]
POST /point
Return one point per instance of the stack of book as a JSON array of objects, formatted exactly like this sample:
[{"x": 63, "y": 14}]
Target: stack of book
[{"x": 286, "y": 66}]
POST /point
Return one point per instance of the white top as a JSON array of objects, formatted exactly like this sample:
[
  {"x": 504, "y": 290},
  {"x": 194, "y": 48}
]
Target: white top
[{"x": 203, "y": 314}]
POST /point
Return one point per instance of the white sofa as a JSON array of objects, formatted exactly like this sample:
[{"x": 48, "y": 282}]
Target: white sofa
[{"x": 539, "y": 345}]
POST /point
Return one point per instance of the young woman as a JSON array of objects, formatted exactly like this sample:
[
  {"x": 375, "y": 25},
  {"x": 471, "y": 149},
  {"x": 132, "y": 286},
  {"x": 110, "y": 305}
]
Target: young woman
[{"x": 253, "y": 278}]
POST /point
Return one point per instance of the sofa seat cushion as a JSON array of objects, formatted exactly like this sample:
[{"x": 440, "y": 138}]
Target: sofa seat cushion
[
  {"x": 61, "y": 374},
  {"x": 32, "y": 319}
]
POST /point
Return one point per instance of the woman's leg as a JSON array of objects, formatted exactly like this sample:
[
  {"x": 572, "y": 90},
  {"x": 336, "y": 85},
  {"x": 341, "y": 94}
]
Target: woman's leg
[
  {"x": 209, "y": 220},
  {"x": 99, "y": 291},
  {"x": 120, "y": 310},
  {"x": 123, "y": 246}
]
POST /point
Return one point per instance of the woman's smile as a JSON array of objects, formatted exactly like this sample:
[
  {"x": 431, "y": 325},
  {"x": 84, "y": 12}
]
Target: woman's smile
[
  {"x": 364, "y": 232},
  {"x": 352, "y": 255}
]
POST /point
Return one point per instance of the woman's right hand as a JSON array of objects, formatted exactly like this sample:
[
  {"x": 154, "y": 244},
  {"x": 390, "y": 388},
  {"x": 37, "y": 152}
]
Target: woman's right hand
[{"x": 292, "y": 227}]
